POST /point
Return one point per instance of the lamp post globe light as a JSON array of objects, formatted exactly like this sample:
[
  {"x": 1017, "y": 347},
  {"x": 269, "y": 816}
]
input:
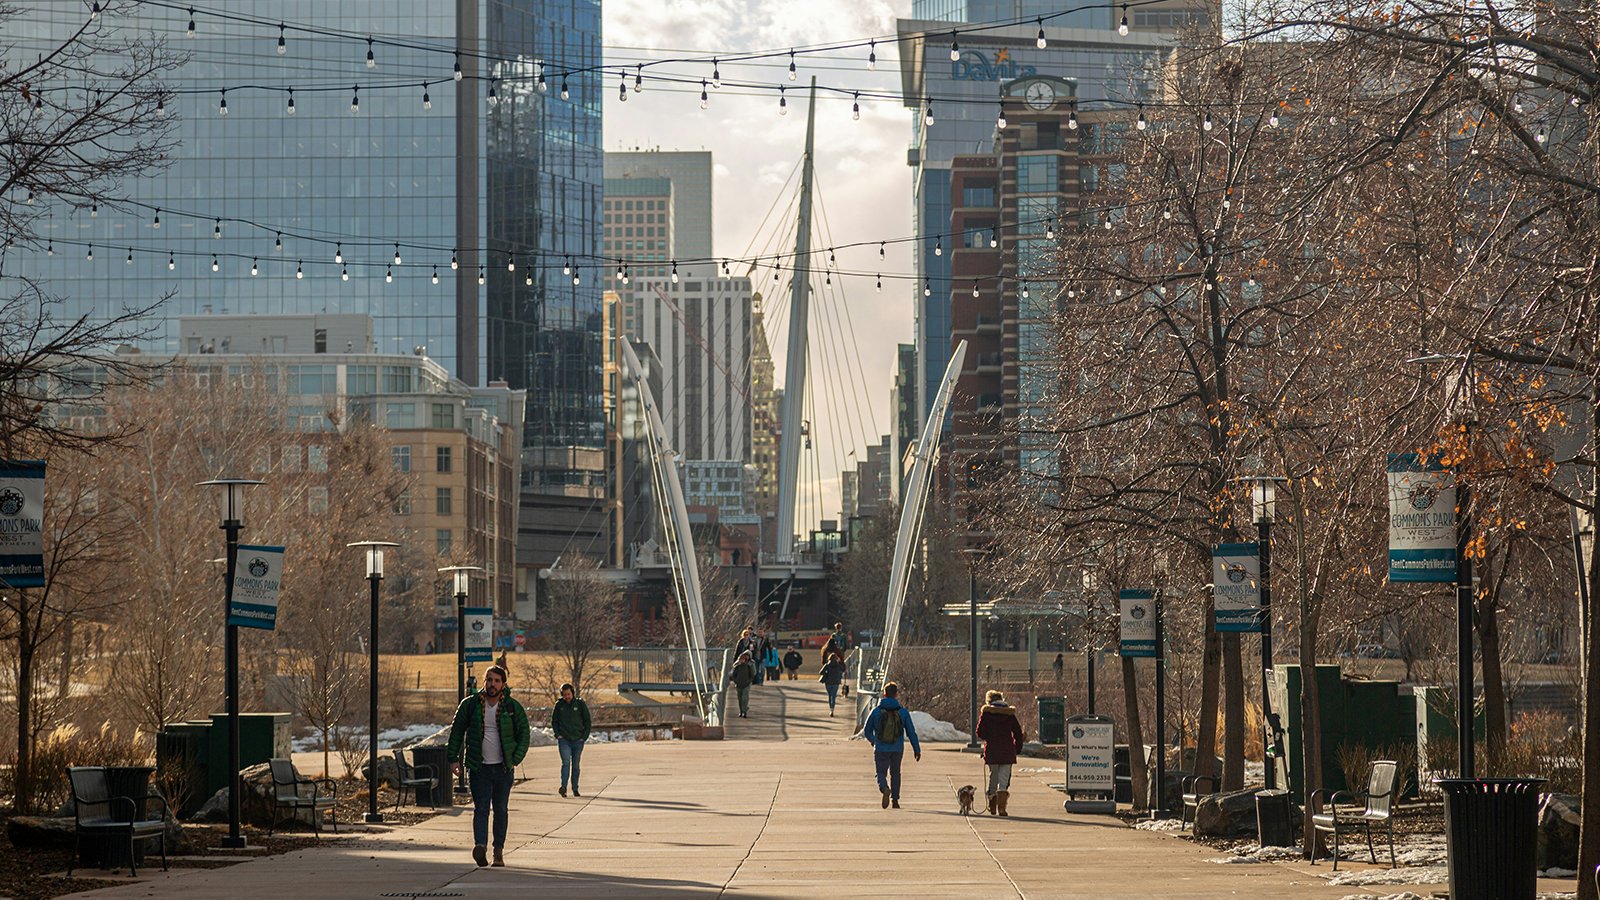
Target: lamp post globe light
[
  {"x": 373, "y": 551},
  {"x": 230, "y": 495},
  {"x": 1264, "y": 508},
  {"x": 461, "y": 584},
  {"x": 1163, "y": 565}
]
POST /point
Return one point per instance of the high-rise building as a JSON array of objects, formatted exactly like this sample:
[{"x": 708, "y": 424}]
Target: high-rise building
[
  {"x": 1083, "y": 48},
  {"x": 446, "y": 221},
  {"x": 903, "y": 433},
  {"x": 765, "y": 425},
  {"x": 690, "y": 175}
]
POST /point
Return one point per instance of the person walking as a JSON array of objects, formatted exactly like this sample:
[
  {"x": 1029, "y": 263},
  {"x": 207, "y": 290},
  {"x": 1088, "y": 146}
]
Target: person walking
[
  {"x": 758, "y": 656},
  {"x": 570, "y": 723},
  {"x": 773, "y": 662},
  {"x": 746, "y": 642},
  {"x": 490, "y": 731},
  {"x": 1002, "y": 738},
  {"x": 832, "y": 674},
  {"x": 741, "y": 677},
  {"x": 791, "y": 661},
  {"x": 836, "y": 642},
  {"x": 887, "y": 728},
  {"x": 1060, "y": 665}
]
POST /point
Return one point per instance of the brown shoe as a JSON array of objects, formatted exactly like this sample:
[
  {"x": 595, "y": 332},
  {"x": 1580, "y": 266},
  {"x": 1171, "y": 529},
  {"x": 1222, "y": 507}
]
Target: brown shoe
[
  {"x": 885, "y": 792},
  {"x": 1000, "y": 799},
  {"x": 895, "y": 803},
  {"x": 480, "y": 855},
  {"x": 991, "y": 804},
  {"x": 499, "y": 860}
]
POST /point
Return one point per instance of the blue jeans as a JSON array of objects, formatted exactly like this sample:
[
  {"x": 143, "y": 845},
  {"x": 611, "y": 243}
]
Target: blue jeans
[
  {"x": 888, "y": 764},
  {"x": 491, "y": 786},
  {"x": 833, "y": 694},
  {"x": 571, "y": 754}
]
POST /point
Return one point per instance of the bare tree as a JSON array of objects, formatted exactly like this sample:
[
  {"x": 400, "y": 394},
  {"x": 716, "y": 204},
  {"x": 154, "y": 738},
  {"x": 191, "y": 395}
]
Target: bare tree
[{"x": 582, "y": 613}]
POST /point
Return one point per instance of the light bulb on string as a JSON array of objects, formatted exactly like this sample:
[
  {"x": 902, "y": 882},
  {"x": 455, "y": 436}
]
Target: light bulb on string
[
  {"x": 1050, "y": 229},
  {"x": 783, "y": 102},
  {"x": 94, "y": 11},
  {"x": 792, "y": 72},
  {"x": 171, "y": 263},
  {"x": 456, "y": 72},
  {"x": 222, "y": 104},
  {"x": 1166, "y": 214},
  {"x": 277, "y": 243},
  {"x": 154, "y": 223},
  {"x": 725, "y": 270},
  {"x": 827, "y": 278},
  {"x": 527, "y": 278},
  {"x": 881, "y": 253},
  {"x": 511, "y": 263},
  {"x": 543, "y": 86},
  {"x": 1000, "y": 119},
  {"x": 938, "y": 247},
  {"x": 927, "y": 114},
  {"x": 397, "y": 253},
  {"x": 216, "y": 231},
  {"x": 89, "y": 256},
  {"x": 1272, "y": 120},
  {"x": 872, "y": 55},
  {"x": 975, "y": 289},
  {"x": 1122, "y": 27},
  {"x": 1024, "y": 290},
  {"x": 955, "y": 48},
  {"x": 1072, "y": 120},
  {"x": 435, "y": 274},
  {"x": 372, "y": 61},
  {"x": 1541, "y": 137},
  {"x": 703, "y": 100},
  {"x": 622, "y": 89},
  {"x": 564, "y": 93},
  {"x": 283, "y": 47},
  {"x": 454, "y": 265},
  {"x": 344, "y": 274},
  {"x": 994, "y": 239},
  {"x": 716, "y": 74},
  {"x": 566, "y": 267},
  {"x": 1143, "y": 123},
  {"x": 855, "y": 107},
  {"x": 50, "y": 247},
  {"x": 626, "y": 278},
  {"x": 1039, "y": 41},
  {"x": 288, "y": 108},
  {"x": 129, "y": 261},
  {"x": 355, "y": 98},
  {"x": 161, "y": 106},
  {"x": 619, "y": 272},
  {"x": 638, "y": 78},
  {"x": 427, "y": 102},
  {"x": 927, "y": 288},
  {"x": 190, "y": 30},
  {"x": 832, "y": 259},
  {"x": 880, "y": 282},
  {"x": 674, "y": 271},
  {"x": 494, "y": 92},
  {"x": 481, "y": 279},
  {"x": 1206, "y": 123},
  {"x": 577, "y": 277},
  {"x": 388, "y": 275},
  {"x": 338, "y": 254},
  {"x": 255, "y": 266},
  {"x": 94, "y": 210},
  {"x": 215, "y": 265}
]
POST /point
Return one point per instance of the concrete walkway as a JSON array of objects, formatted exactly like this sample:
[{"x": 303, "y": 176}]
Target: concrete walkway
[{"x": 785, "y": 807}]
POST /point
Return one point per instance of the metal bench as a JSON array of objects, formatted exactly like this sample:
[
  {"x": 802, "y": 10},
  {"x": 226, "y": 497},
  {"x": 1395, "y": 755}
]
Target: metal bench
[
  {"x": 657, "y": 687},
  {"x": 96, "y": 812},
  {"x": 416, "y": 777},
  {"x": 288, "y": 790},
  {"x": 1192, "y": 795},
  {"x": 1377, "y": 809}
]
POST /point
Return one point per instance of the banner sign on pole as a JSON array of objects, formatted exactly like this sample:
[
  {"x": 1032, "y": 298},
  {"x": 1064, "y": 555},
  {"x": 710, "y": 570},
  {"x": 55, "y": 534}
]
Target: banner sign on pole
[
  {"x": 1422, "y": 520},
  {"x": 257, "y": 575},
  {"x": 1138, "y": 623},
  {"x": 22, "y": 522},
  {"x": 478, "y": 635},
  {"x": 1236, "y": 576}
]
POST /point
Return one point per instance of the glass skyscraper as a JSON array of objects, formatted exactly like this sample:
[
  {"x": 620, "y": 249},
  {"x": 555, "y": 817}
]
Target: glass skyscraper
[{"x": 325, "y": 169}]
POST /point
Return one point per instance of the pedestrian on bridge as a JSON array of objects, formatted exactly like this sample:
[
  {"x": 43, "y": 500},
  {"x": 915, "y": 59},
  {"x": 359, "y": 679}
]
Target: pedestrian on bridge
[
  {"x": 770, "y": 659},
  {"x": 742, "y": 676},
  {"x": 836, "y": 643},
  {"x": 491, "y": 728},
  {"x": 832, "y": 674},
  {"x": 571, "y": 723},
  {"x": 791, "y": 662},
  {"x": 1002, "y": 738},
  {"x": 887, "y": 728}
]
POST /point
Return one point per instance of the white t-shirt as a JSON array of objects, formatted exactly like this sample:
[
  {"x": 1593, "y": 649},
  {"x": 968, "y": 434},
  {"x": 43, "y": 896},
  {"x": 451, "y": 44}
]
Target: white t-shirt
[{"x": 491, "y": 734}]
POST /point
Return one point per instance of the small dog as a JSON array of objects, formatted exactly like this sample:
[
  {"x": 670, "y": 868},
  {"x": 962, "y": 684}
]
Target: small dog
[{"x": 964, "y": 798}]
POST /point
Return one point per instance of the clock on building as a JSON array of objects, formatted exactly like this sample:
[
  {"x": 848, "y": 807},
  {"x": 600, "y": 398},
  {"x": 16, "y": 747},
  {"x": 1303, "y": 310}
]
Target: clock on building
[{"x": 1040, "y": 95}]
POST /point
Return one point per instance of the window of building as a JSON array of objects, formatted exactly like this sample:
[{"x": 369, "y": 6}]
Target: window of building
[
  {"x": 317, "y": 500},
  {"x": 981, "y": 195},
  {"x": 400, "y": 415},
  {"x": 402, "y": 504},
  {"x": 360, "y": 380},
  {"x": 289, "y": 459},
  {"x": 316, "y": 459},
  {"x": 263, "y": 461},
  {"x": 444, "y": 415},
  {"x": 441, "y": 502},
  {"x": 1036, "y": 174},
  {"x": 319, "y": 340},
  {"x": 442, "y": 459},
  {"x": 442, "y": 542},
  {"x": 402, "y": 457}
]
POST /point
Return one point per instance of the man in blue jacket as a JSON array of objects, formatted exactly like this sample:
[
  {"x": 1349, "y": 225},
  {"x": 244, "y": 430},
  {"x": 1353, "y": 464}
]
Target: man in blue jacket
[{"x": 887, "y": 728}]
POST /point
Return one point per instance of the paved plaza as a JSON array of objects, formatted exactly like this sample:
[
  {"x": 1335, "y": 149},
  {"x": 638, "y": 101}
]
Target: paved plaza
[{"x": 786, "y": 807}]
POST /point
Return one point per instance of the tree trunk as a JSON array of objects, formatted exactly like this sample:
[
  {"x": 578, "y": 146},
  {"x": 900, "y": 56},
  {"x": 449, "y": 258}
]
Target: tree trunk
[
  {"x": 1494, "y": 687},
  {"x": 1137, "y": 760},
  {"x": 1232, "y": 713},
  {"x": 1310, "y": 721},
  {"x": 1210, "y": 664},
  {"x": 1589, "y": 831},
  {"x": 22, "y": 773}
]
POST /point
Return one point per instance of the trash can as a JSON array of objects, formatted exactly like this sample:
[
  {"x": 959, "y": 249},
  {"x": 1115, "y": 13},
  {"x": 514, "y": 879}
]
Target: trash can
[
  {"x": 110, "y": 852},
  {"x": 438, "y": 760},
  {"x": 1274, "y": 819},
  {"x": 1491, "y": 832},
  {"x": 1052, "y": 720}
]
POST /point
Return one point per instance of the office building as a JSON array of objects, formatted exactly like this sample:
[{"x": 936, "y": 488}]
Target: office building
[{"x": 689, "y": 173}]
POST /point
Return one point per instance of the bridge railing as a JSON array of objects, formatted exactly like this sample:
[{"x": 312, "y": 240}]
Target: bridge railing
[{"x": 677, "y": 670}]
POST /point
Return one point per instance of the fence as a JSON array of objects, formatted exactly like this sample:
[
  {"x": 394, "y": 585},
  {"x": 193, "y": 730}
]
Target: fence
[{"x": 699, "y": 672}]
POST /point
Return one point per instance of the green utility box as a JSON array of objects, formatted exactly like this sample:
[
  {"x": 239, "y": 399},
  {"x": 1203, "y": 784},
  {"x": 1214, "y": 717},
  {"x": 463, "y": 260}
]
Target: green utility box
[
  {"x": 183, "y": 755},
  {"x": 262, "y": 736},
  {"x": 1372, "y": 714},
  {"x": 1436, "y": 721},
  {"x": 1052, "y": 720}
]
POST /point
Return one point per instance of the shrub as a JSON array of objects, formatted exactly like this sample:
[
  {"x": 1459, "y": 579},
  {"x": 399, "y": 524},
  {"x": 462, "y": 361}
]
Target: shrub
[{"x": 1356, "y": 759}]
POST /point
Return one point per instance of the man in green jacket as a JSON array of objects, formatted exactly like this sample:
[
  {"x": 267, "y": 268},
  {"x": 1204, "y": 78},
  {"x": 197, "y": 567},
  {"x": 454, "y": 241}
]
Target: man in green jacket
[
  {"x": 570, "y": 723},
  {"x": 492, "y": 730}
]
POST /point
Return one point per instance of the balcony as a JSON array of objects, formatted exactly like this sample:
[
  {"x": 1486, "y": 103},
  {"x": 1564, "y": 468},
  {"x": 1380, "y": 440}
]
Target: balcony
[
  {"x": 989, "y": 363},
  {"x": 988, "y": 325}
]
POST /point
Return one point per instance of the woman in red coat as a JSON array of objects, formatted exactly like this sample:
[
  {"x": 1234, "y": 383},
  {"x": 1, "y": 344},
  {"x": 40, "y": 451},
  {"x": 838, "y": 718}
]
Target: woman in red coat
[{"x": 1002, "y": 738}]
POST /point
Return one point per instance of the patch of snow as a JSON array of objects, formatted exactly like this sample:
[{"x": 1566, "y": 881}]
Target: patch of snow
[
  {"x": 1033, "y": 770},
  {"x": 1558, "y": 872},
  {"x": 1277, "y": 853},
  {"x": 1415, "y": 875},
  {"x": 1233, "y": 860},
  {"x": 388, "y": 738},
  {"x": 1557, "y": 895},
  {"x": 1159, "y": 825},
  {"x": 936, "y": 730},
  {"x": 1403, "y": 895}
]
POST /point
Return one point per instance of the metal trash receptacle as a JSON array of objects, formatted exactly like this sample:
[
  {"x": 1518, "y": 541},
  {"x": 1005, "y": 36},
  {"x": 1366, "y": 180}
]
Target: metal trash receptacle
[
  {"x": 1052, "y": 720},
  {"x": 1274, "y": 819},
  {"x": 1491, "y": 833},
  {"x": 439, "y": 761}
]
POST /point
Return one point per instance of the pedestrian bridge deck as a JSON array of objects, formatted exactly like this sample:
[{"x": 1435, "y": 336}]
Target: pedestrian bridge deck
[{"x": 785, "y": 807}]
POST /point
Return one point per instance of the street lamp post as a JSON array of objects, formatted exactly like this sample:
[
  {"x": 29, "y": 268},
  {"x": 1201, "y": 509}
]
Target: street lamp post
[
  {"x": 374, "y": 555},
  {"x": 1163, "y": 563},
  {"x": 973, "y": 555},
  {"x": 1264, "y": 504},
  {"x": 1090, "y": 583},
  {"x": 461, "y": 581},
  {"x": 232, "y": 502}
]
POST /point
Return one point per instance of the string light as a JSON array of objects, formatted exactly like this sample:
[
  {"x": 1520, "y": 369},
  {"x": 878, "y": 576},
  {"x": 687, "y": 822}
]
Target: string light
[
  {"x": 716, "y": 74},
  {"x": 277, "y": 243},
  {"x": 427, "y": 102},
  {"x": 161, "y": 106},
  {"x": 1206, "y": 124},
  {"x": 154, "y": 223},
  {"x": 222, "y": 104},
  {"x": 577, "y": 277},
  {"x": 1024, "y": 290},
  {"x": 344, "y": 274},
  {"x": 355, "y": 98},
  {"x": 1072, "y": 120},
  {"x": 1541, "y": 137},
  {"x": 703, "y": 100},
  {"x": 927, "y": 115},
  {"x": 94, "y": 12},
  {"x": 566, "y": 267},
  {"x": 388, "y": 275},
  {"x": 872, "y": 56},
  {"x": 397, "y": 253},
  {"x": 1050, "y": 229},
  {"x": 622, "y": 89},
  {"x": 89, "y": 256},
  {"x": 1142, "y": 124},
  {"x": 974, "y": 288},
  {"x": 638, "y": 78},
  {"x": 881, "y": 253},
  {"x": 215, "y": 265},
  {"x": 50, "y": 247},
  {"x": 289, "y": 109},
  {"x": 1000, "y": 120},
  {"x": 130, "y": 256},
  {"x": 435, "y": 274},
  {"x": 171, "y": 263},
  {"x": 255, "y": 267},
  {"x": 282, "y": 46},
  {"x": 792, "y": 72},
  {"x": 674, "y": 271},
  {"x": 299, "y": 271},
  {"x": 511, "y": 263},
  {"x": 372, "y": 61},
  {"x": 216, "y": 231},
  {"x": 94, "y": 210},
  {"x": 544, "y": 85},
  {"x": 564, "y": 94},
  {"x": 994, "y": 239},
  {"x": 456, "y": 73},
  {"x": 1272, "y": 120},
  {"x": 783, "y": 101},
  {"x": 190, "y": 30},
  {"x": 454, "y": 265},
  {"x": 927, "y": 288},
  {"x": 938, "y": 247},
  {"x": 880, "y": 282},
  {"x": 1041, "y": 43},
  {"x": 955, "y": 48},
  {"x": 480, "y": 275},
  {"x": 855, "y": 107},
  {"x": 494, "y": 94},
  {"x": 527, "y": 278},
  {"x": 1122, "y": 27},
  {"x": 338, "y": 254}
]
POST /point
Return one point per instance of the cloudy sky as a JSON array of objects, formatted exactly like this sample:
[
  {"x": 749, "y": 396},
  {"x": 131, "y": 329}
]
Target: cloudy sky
[{"x": 863, "y": 183}]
